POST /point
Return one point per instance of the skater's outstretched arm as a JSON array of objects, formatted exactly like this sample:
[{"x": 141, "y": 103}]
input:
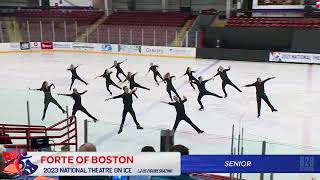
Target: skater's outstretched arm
[
  {"x": 249, "y": 85},
  {"x": 77, "y": 66},
  {"x": 98, "y": 76},
  {"x": 170, "y": 103},
  {"x": 229, "y": 68},
  {"x": 52, "y": 85},
  {"x": 39, "y": 89},
  {"x": 218, "y": 73},
  {"x": 114, "y": 97},
  {"x": 83, "y": 92},
  {"x": 60, "y": 94},
  {"x": 268, "y": 79}
]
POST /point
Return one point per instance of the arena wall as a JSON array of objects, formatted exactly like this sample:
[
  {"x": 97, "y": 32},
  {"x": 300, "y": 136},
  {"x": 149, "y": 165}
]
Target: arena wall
[{"x": 272, "y": 39}]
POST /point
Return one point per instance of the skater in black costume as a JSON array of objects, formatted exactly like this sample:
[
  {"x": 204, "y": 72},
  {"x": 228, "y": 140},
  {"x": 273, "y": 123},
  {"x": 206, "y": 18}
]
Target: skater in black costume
[
  {"x": 46, "y": 89},
  {"x": 154, "y": 69},
  {"x": 109, "y": 81},
  {"x": 225, "y": 79},
  {"x": 75, "y": 75},
  {"x": 259, "y": 84},
  {"x": 133, "y": 84},
  {"x": 119, "y": 69},
  {"x": 203, "y": 91},
  {"x": 168, "y": 80},
  {"x": 76, "y": 96},
  {"x": 181, "y": 114},
  {"x": 127, "y": 102},
  {"x": 189, "y": 72}
]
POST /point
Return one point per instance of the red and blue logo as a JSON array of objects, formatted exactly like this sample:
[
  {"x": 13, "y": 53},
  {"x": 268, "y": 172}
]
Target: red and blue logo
[{"x": 18, "y": 162}]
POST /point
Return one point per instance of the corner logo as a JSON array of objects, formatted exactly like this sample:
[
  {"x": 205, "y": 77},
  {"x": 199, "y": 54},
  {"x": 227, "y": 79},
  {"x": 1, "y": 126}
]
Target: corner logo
[{"x": 18, "y": 163}]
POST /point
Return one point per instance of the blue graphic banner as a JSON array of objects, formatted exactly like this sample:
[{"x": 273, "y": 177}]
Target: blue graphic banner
[{"x": 250, "y": 164}]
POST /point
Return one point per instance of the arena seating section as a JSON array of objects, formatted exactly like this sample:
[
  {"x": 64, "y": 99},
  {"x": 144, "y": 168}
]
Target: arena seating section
[
  {"x": 304, "y": 23},
  {"x": 84, "y": 18},
  {"x": 160, "y": 24}
]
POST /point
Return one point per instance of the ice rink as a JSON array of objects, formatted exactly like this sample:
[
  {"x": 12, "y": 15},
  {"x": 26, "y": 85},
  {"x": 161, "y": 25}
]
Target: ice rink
[{"x": 292, "y": 130}]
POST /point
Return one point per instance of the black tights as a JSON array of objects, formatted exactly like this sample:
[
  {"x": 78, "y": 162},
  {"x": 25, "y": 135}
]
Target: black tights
[
  {"x": 208, "y": 93},
  {"x": 179, "y": 118},
  {"x": 82, "y": 109},
  {"x": 113, "y": 84},
  {"x": 173, "y": 90},
  {"x": 74, "y": 78},
  {"x": 265, "y": 98},
  {"x": 124, "y": 114},
  {"x": 120, "y": 72},
  {"x": 155, "y": 75},
  {"x": 46, "y": 104},
  {"x": 224, "y": 83}
]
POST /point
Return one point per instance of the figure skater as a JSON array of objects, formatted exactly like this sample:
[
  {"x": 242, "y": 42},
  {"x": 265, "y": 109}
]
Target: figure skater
[
  {"x": 76, "y": 96},
  {"x": 46, "y": 89},
  {"x": 260, "y": 93},
  {"x": 133, "y": 84},
  {"x": 225, "y": 79},
  {"x": 203, "y": 91},
  {"x": 154, "y": 69},
  {"x": 168, "y": 80},
  {"x": 181, "y": 114},
  {"x": 127, "y": 106},
  {"x": 189, "y": 72},
  {"x": 75, "y": 75},
  {"x": 119, "y": 69},
  {"x": 109, "y": 81}
]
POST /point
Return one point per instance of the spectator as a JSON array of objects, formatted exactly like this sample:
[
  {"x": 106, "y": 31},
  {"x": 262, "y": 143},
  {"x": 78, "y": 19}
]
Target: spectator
[
  {"x": 87, "y": 147},
  {"x": 180, "y": 148},
  {"x": 148, "y": 149}
]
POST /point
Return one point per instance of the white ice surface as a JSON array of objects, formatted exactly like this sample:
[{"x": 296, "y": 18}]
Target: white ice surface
[{"x": 292, "y": 130}]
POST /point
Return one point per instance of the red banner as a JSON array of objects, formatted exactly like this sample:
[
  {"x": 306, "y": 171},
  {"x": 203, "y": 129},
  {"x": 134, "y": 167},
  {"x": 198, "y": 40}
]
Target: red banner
[{"x": 46, "y": 45}]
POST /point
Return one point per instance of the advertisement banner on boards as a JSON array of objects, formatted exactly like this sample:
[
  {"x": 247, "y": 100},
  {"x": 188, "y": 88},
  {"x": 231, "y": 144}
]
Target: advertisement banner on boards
[
  {"x": 62, "y": 45},
  {"x": 25, "y": 46},
  {"x": 169, "y": 51},
  {"x": 107, "y": 47},
  {"x": 5, "y": 47},
  {"x": 47, "y": 45},
  {"x": 134, "y": 49},
  {"x": 83, "y": 46},
  {"x": 294, "y": 57},
  {"x": 35, "y": 45},
  {"x": 14, "y": 46}
]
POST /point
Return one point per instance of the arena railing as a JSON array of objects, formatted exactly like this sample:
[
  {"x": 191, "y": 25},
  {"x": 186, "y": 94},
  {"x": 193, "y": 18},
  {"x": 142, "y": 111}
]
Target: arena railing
[
  {"x": 69, "y": 138},
  {"x": 71, "y": 31}
]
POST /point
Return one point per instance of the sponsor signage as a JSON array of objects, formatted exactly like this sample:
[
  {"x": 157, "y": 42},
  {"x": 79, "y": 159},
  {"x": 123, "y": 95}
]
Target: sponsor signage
[
  {"x": 83, "y": 46},
  {"x": 62, "y": 45},
  {"x": 94, "y": 163},
  {"x": 294, "y": 57},
  {"x": 169, "y": 51},
  {"x": 135, "y": 49},
  {"x": 47, "y": 45},
  {"x": 106, "y": 47},
  {"x": 35, "y": 45},
  {"x": 4, "y": 47},
  {"x": 14, "y": 46},
  {"x": 24, "y": 46}
]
